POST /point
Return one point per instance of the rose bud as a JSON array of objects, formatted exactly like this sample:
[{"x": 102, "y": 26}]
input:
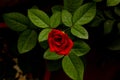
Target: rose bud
[{"x": 59, "y": 42}]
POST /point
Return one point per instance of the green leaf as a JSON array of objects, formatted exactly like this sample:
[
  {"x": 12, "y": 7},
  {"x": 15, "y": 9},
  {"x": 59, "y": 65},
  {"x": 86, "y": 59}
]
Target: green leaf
[
  {"x": 72, "y": 5},
  {"x": 16, "y": 21},
  {"x": 67, "y": 18},
  {"x": 117, "y": 10},
  {"x": 80, "y": 48},
  {"x": 55, "y": 19},
  {"x": 84, "y": 14},
  {"x": 38, "y": 18},
  {"x": 51, "y": 55},
  {"x": 27, "y": 41},
  {"x": 113, "y": 2},
  {"x": 108, "y": 25},
  {"x": 79, "y": 32},
  {"x": 56, "y": 8},
  {"x": 73, "y": 66},
  {"x": 44, "y": 34}
]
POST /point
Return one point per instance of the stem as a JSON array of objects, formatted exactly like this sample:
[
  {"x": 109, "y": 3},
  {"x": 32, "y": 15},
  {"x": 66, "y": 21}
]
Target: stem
[{"x": 47, "y": 74}]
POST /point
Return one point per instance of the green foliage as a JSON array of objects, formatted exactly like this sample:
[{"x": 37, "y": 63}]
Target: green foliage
[
  {"x": 84, "y": 14},
  {"x": 113, "y": 2},
  {"x": 38, "y": 18},
  {"x": 44, "y": 35},
  {"x": 80, "y": 48},
  {"x": 79, "y": 32},
  {"x": 51, "y": 55},
  {"x": 72, "y": 5},
  {"x": 27, "y": 41},
  {"x": 56, "y": 8},
  {"x": 66, "y": 18},
  {"x": 55, "y": 19},
  {"x": 16, "y": 21},
  {"x": 73, "y": 66}
]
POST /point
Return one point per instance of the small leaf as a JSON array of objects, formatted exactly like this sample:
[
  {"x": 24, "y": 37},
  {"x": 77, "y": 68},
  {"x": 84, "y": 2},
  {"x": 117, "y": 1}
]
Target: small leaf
[
  {"x": 80, "y": 48},
  {"x": 113, "y": 2},
  {"x": 84, "y": 14},
  {"x": 72, "y": 5},
  {"x": 16, "y": 21},
  {"x": 56, "y": 8},
  {"x": 51, "y": 55},
  {"x": 27, "y": 41},
  {"x": 67, "y": 18},
  {"x": 44, "y": 34},
  {"x": 73, "y": 66},
  {"x": 55, "y": 19},
  {"x": 39, "y": 18},
  {"x": 79, "y": 32},
  {"x": 117, "y": 10},
  {"x": 108, "y": 25}
]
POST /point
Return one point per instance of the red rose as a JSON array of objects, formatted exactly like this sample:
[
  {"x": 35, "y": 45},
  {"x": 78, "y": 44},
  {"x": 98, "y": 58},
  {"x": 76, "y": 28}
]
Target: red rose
[{"x": 59, "y": 42}]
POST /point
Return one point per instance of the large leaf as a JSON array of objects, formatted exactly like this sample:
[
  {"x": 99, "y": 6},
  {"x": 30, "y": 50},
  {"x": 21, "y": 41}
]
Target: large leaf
[
  {"x": 73, "y": 66},
  {"x": 16, "y": 21},
  {"x": 113, "y": 2},
  {"x": 79, "y": 32},
  {"x": 44, "y": 35},
  {"x": 51, "y": 55},
  {"x": 39, "y": 18},
  {"x": 27, "y": 41},
  {"x": 108, "y": 25},
  {"x": 55, "y": 19},
  {"x": 80, "y": 48},
  {"x": 72, "y": 5},
  {"x": 84, "y": 14},
  {"x": 67, "y": 18}
]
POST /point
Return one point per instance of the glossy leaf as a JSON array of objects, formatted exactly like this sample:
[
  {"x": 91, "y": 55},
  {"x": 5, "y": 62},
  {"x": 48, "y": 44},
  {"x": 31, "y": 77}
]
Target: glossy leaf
[
  {"x": 80, "y": 48},
  {"x": 66, "y": 18},
  {"x": 43, "y": 35},
  {"x": 16, "y": 21},
  {"x": 113, "y": 2},
  {"x": 55, "y": 19},
  {"x": 27, "y": 41},
  {"x": 73, "y": 66},
  {"x": 38, "y": 18},
  {"x": 79, "y": 32},
  {"x": 84, "y": 14},
  {"x": 72, "y": 5},
  {"x": 51, "y": 55},
  {"x": 108, "y": 25}
]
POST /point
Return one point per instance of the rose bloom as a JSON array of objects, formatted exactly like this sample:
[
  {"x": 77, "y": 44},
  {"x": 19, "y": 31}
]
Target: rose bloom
[{"x": 59, "y": 42}]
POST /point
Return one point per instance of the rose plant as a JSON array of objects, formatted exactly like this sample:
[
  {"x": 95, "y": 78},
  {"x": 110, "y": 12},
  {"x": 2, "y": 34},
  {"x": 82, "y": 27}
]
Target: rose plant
[{"x": 62, "y": 35}]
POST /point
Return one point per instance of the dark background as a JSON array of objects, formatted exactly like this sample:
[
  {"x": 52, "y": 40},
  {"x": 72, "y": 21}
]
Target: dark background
[{"x": 101, "y": 64}]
